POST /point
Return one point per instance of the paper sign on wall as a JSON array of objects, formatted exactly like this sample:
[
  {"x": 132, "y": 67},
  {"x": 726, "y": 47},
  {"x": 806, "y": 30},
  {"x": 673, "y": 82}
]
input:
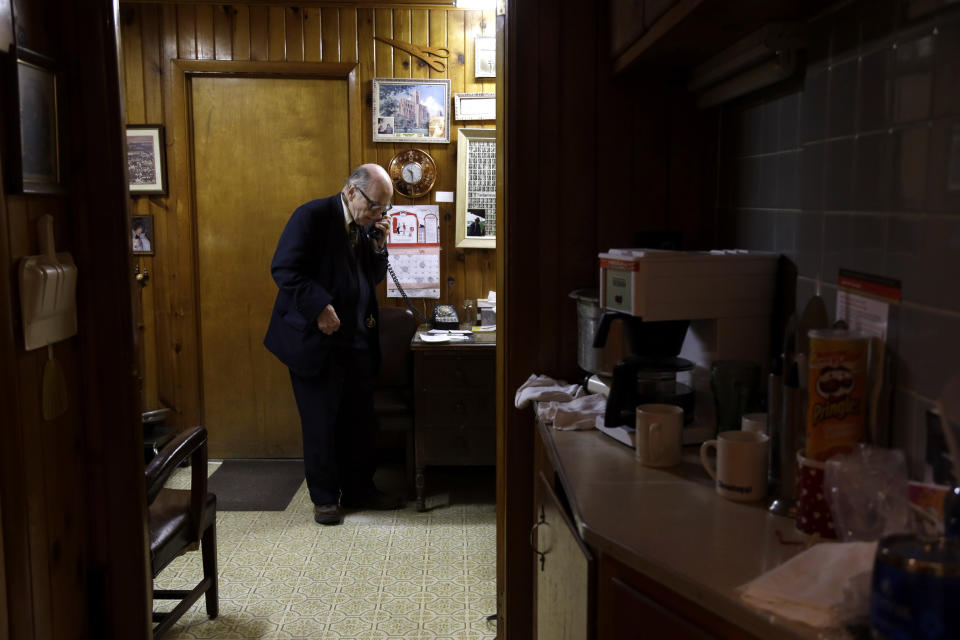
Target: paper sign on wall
[{"x": 415, "y": 250}]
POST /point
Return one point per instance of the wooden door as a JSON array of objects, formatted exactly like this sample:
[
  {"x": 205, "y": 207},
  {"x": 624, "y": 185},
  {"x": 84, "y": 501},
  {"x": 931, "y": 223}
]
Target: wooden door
[{"x": 261, "y": 147}]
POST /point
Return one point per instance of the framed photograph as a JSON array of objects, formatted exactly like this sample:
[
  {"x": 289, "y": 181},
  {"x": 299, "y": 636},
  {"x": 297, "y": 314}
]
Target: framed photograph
[
  {"x": 146, "y": 159},
  {"x": 477, "y": 189},
  {"x": 141, "y": 235},
  {"x": 35, "y": 125},
  {"x": 475, "y": 106},
  {"x": 485, "y": 56},
  {"x": 407, "y": 110}
]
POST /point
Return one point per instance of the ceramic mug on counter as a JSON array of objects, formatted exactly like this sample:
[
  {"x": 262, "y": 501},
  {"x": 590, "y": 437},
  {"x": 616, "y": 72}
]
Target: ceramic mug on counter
[
  {"x": 754, "y": 422},
  {"x": 741, "y": 469},
  {"x": 659, "y": 436}
]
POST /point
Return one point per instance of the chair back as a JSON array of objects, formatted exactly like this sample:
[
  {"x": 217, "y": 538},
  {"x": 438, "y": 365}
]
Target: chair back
[{"x": 397, "y": 326}]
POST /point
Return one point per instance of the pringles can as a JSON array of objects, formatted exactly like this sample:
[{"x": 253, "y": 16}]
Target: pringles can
[
  {"x": 837, "y": 391},
  {"x": 916, "y": 588}
]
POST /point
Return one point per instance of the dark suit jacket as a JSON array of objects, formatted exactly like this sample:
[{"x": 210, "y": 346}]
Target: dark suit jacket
[{"x": 314, "y": 266}]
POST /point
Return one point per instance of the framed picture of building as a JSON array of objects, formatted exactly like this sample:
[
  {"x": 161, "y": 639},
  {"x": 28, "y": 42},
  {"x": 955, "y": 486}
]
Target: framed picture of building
[
  {"x": 408, "y": 110},
  {"x": 146, "y": 159}
]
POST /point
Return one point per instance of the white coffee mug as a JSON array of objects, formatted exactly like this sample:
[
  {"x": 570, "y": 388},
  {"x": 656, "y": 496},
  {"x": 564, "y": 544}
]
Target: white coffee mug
[
  {"x": 741, "y": 471},
  {"x": 754, "y": 422},
  {"x": 659, "y": 436}
]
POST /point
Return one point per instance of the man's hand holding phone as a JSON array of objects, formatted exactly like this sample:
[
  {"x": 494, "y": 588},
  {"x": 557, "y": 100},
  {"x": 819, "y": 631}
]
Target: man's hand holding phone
[{"x": 380, "y": 231}]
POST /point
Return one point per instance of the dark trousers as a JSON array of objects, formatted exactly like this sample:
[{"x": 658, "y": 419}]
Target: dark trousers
[{"x": 339, "y": 425}]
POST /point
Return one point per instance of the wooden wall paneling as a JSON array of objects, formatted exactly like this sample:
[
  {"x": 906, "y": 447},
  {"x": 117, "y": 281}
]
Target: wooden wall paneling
[
  {"x": 294, "y": 34},
  {"x": 164, "y": 279},
  {"x": 366, "y": 69},
  {"x": 330, "y": 28},
  {"x": 276, "y": 45},
  {"x": 34, "y": 488},
  {"x": 241, "y": 33},
  {"x": 552, "y": 190},
  {"x": 313, "y": 38},
  {"x": 576, "y": 235},
  {"x": 151, "y": 55},
  {"x": 471, "y": 266},
  {"x": 349, "y": 32},
  {"x": 185, "y": 324},
  {"x": 223, "y": 17},
  {"x": 186, "y": 31},
  {"x": 12, "y": 460},
  {"x": 157, "y": 206},
  {"x": 14, "y": 577},
  {"x": 452, "y": 259},
  {"x": 402, "y": 68},
  {"x": 383, "y": 57},
  {"x": 205, "y": 42},
  {"x": 133, "y": 65},
  {"x": 518, "y": 303},
  {"x": 259, "y": 33}
]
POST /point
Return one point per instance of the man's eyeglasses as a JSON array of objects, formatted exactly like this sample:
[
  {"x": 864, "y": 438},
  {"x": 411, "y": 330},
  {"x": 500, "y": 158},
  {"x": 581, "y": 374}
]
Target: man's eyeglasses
[{"x": 373, "y": 206}]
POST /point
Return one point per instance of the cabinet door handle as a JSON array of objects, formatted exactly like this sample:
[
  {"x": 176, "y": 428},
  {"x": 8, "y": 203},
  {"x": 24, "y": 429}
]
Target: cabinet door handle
[{"x": 533, "y": 530}]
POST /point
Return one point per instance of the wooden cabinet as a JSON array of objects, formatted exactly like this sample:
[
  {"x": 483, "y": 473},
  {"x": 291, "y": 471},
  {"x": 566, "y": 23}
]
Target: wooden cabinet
[
  {"x": 563, "y": 568},
  {"x": 454, "y": 405},
  {"x": 582, "y": 591}
]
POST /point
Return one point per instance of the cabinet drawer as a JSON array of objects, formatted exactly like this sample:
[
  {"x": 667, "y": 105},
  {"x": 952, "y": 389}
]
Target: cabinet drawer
[
  {"x": 456, "y": 446},
  {"x": 451, "y": 409},
  {"x": 459, "y": 372}
]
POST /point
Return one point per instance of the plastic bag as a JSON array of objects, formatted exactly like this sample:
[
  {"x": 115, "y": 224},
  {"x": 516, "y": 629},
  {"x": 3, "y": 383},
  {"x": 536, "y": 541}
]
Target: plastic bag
[{"x": 867, "y": 493}]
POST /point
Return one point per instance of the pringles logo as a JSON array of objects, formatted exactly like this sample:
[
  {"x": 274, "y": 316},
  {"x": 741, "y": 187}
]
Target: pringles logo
[{"x": 835, "y": 385}]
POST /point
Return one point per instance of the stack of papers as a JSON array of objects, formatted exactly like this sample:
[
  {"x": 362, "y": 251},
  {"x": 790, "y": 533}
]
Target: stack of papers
[{"x": 443, "y": 335}]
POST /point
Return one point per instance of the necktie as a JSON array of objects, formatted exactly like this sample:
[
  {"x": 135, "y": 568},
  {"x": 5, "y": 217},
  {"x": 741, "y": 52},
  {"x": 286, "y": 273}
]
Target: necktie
[{"x": 353, "y": 232}]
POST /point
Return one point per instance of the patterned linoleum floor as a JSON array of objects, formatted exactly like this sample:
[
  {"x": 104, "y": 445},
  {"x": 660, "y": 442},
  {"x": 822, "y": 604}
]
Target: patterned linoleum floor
[{"x": 394, "y": 574}]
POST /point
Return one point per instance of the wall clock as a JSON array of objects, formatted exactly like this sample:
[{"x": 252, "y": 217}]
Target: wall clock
[{"x": 413, "y": 172}]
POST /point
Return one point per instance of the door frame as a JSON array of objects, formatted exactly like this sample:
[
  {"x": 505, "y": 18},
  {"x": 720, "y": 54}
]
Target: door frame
[{"x": 184, "y": 302}]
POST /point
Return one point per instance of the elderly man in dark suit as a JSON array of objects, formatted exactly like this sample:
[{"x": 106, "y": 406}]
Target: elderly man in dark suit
[{"x": 330, "y": 257}]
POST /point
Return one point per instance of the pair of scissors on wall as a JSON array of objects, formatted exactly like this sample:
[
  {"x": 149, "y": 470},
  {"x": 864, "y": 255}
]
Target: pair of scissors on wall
[{"x": 435, "y": 57}]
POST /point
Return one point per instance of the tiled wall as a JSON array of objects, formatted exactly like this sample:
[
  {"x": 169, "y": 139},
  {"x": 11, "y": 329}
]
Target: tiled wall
[{"x": 857, "y": 166}]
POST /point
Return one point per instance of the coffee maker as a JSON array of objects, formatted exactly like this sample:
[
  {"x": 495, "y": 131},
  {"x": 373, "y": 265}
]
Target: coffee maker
[{"x": 682, "y": 311}]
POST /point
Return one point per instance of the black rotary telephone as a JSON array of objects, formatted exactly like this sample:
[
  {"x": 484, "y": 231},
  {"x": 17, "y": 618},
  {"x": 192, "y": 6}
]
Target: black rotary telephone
[{"x": 445, "y": 317}]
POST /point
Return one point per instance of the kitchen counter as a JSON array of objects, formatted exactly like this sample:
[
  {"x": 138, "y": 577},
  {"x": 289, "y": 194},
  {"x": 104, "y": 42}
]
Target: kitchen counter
[{"x": 671, "y": 526}]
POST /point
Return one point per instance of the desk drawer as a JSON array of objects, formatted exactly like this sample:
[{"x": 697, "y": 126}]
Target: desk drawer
[
  {"x": 459, "y": 372},
  {"x": 453, "y": 409},
  {"x": 456, "y": 447}
]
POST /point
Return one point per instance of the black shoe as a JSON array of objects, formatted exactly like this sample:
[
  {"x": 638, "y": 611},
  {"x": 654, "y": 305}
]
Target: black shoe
[
  {"x": 372, "y": 499},
  {"x": 327, "y": 514}
]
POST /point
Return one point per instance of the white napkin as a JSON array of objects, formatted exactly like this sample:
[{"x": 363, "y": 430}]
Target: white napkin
[
  {"x": 581, "y": 413},
  {"x": 544, "y": 388},
  {"x": 822, "y": 587}
]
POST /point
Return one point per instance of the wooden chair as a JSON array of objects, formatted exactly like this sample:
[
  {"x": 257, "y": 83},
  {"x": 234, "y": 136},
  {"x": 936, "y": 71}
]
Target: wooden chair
[
  {"x": 393, "y": 397},
  {"x": 179, "y": 520}
]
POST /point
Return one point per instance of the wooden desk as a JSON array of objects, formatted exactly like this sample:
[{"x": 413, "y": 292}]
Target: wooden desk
[{"x": 454, "y": 398}]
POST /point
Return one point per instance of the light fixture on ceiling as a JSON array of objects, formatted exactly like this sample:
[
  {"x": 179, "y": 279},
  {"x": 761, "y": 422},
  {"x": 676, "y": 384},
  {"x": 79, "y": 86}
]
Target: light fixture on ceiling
[{"x": 765, "y": 57}]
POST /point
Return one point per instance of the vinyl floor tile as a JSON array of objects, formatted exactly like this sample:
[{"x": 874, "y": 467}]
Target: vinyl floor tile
[{"x": 379, "y": 576}]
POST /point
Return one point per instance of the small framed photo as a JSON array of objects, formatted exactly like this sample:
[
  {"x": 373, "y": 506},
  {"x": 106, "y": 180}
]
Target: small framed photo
[
  {"x": 141, "y": 235},
  {"x": 485, "y": 57},
  {"x": 146, "y": 159},
  {"x": 475, "y": 106},
  {"x": 35, "y": 125},
  {"x": 407, "y": 110}
]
